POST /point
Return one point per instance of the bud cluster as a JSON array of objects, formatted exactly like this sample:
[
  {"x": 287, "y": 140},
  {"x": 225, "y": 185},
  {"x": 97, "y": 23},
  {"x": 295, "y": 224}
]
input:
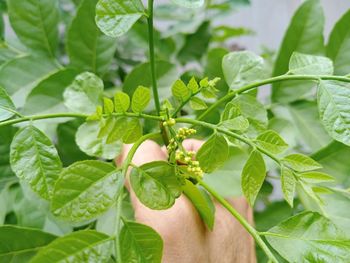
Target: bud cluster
[
  {"x": 171, "y": 122},
  {"x": 186, "y": 158},
  {"x": 183, "y": 133}
]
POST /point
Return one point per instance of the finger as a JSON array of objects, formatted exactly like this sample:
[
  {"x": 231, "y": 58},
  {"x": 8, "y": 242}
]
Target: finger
[{"x": 192, "y": 144}]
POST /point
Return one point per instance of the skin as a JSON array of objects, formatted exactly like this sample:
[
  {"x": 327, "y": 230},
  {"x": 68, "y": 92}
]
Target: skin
[{"x": 186, "y": 238}]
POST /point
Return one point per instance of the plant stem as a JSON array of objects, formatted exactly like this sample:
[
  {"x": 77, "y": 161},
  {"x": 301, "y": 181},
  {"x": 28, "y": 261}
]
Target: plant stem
[
  {"x": 254, "y": 85},
  {"x": 151, "y": 56},
  {"x": 184, "y": 103},
  {"x": 251, "y": 230}
]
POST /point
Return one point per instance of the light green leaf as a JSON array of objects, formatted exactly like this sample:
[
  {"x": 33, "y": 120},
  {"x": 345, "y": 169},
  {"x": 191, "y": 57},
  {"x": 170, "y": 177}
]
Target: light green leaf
[
  {"x": 106, "y": 126},
  {"x": 271, "y": 141},
  {"x": 242, "y": 67},
  {"x": 82, "y": 246},
  {"x": 140, "y": 99},
  {"x": 29, "y": 71},
  {"x": 118, "y": 130},
  {"x": 108, "y": 106},
  {"x": 339, "y": 45},
  {"x": 300, "y": 162},
  {"x": 140, "y": 243},
  {"x": 180, "y": 90},
  {"x": 133, "y": 130},
  {"x": 253, "y": 176},
  {"x": 20, "y": 244},
  {"x": 316, "y": 177},
  {"x": 198, "y": 104},
  {"x": 193, "y": 85},
  {"x": 202, "y": 202},
  {"x": 86, "y": 190},
  {"x": 36, "y": 24},
  {"x": 304, "y": 35},
  {"x": 35, "y": 160},
  {"x": 189, "y": 3},
  {"x": 302, "y": 64},
  {"x": 6, "y": 105},
  {"x": 89, "y": 49},
  {"x": 333, "y": 105},
  {"x": 88, "y": 141},
  {"x": 239, "y": 123},
  {"x": 309, "y": 237},
  {"x": 155, "y": 184},
  {"x": 116, "y": 17},
  {"x": 121, "y": 101},
  {"x": 213, "y": 153},
  {"x": 84, "y": 94},
  {"x": 47, "y": 96},
  {"x": 288, "y": 182}
]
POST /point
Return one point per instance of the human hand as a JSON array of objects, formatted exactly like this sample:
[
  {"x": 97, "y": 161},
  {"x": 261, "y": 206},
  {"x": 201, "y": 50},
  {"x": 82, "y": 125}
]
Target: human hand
[{"x": 186, "y": 238}]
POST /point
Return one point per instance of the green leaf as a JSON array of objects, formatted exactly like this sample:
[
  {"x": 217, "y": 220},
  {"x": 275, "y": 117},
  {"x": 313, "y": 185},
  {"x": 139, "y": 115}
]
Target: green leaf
[
  {"x": 116, "y": 17},
  {"x": 300, "y": 162},
  {"x": 140, "y": 99},
  {"x": 155, "y": 185},
  {"x": 180, "y": 90},
  {"x": 35, "y": 160},
  {"x": 36, "y": 24},
  {"x": 6, "y": 105},
  {"x": 118, "y": 130},
  {"x": 193, "y": 85},
  {"x": 121, "y": 101},
  {"x": 189, "y": 3},
  {"x": 302, "y": 64},
  {"x": 89, "y": 49},
  {"x": 89, "y": 142},
  {"x": 84, "y": 94},
  {"x": 20, "y": 244},
  {"x": 304, "y": 35},
  {"x": 333, "y": 105},
  {"x": 81, "y": 246},
  {"x": 339, "y": 45},
  {"x": 239, "y": 123},
  {"x": 253, "y": 176},
  {"x": 213, "y": 153},
  {"x": 316, "y": 177},
  {"x": 271, "y": 141},
  {"x": 7, "y": 134},
  {"x": 213, "y": 67},
  {"x": 86, "y": 190},
  {"x": 140, "y": 243},
  {"x": 108, "y": 106},
  {"x": 133, "y": 130},
  {"x": 202, "y": 202},
  {"x": 47, "y": 96},
  {"x": 309, "y": 237},
  {"x": 288, "y": 182},
  {"x": 242, "y": 67},
  {"x": 198, "y": 104},
  {"x": 28, "y": 72}
]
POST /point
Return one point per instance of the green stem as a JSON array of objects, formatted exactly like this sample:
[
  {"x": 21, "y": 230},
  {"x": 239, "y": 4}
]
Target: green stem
[
  {"x": 251, "y": 230},
  {"x": 254, "y": 85},
  {"x": 152, "y": 57},
  {"x": 184, "y": 103}
]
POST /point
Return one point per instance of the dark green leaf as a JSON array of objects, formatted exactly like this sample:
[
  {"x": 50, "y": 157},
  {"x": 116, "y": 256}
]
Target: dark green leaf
[
  {"x": 86, "y": 190},
  {"x": 36, "y": 24},
  {"x": 116, "y": 17},
  {"x": 213, "y": 153},
  {"x": 82, "y": 246},
  {"x": 271, "y": 141},
  {"x": 140, "y": 99},
  {"x": 89, "y": 142},
  {"x": 333, "y": 104},
  {"x": 304, "y": 35},
  {"x": 339, "y": 45},
  {"x": 6, "y": 105},
  {"x": 253, "y": 176},
  {"x": 301, "y": 163},
  {"x": 140, "y": 243},
  {"x": 84, "y": 94},
  {"x": 155, "y": 184},
  {"x": 309, "y": 237},
  {"x": 35, "y": 160},
  {"x": 202, "y": 202},
  {"x": 89, "y": 49},
  {"x": 19, "y": 244}
]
